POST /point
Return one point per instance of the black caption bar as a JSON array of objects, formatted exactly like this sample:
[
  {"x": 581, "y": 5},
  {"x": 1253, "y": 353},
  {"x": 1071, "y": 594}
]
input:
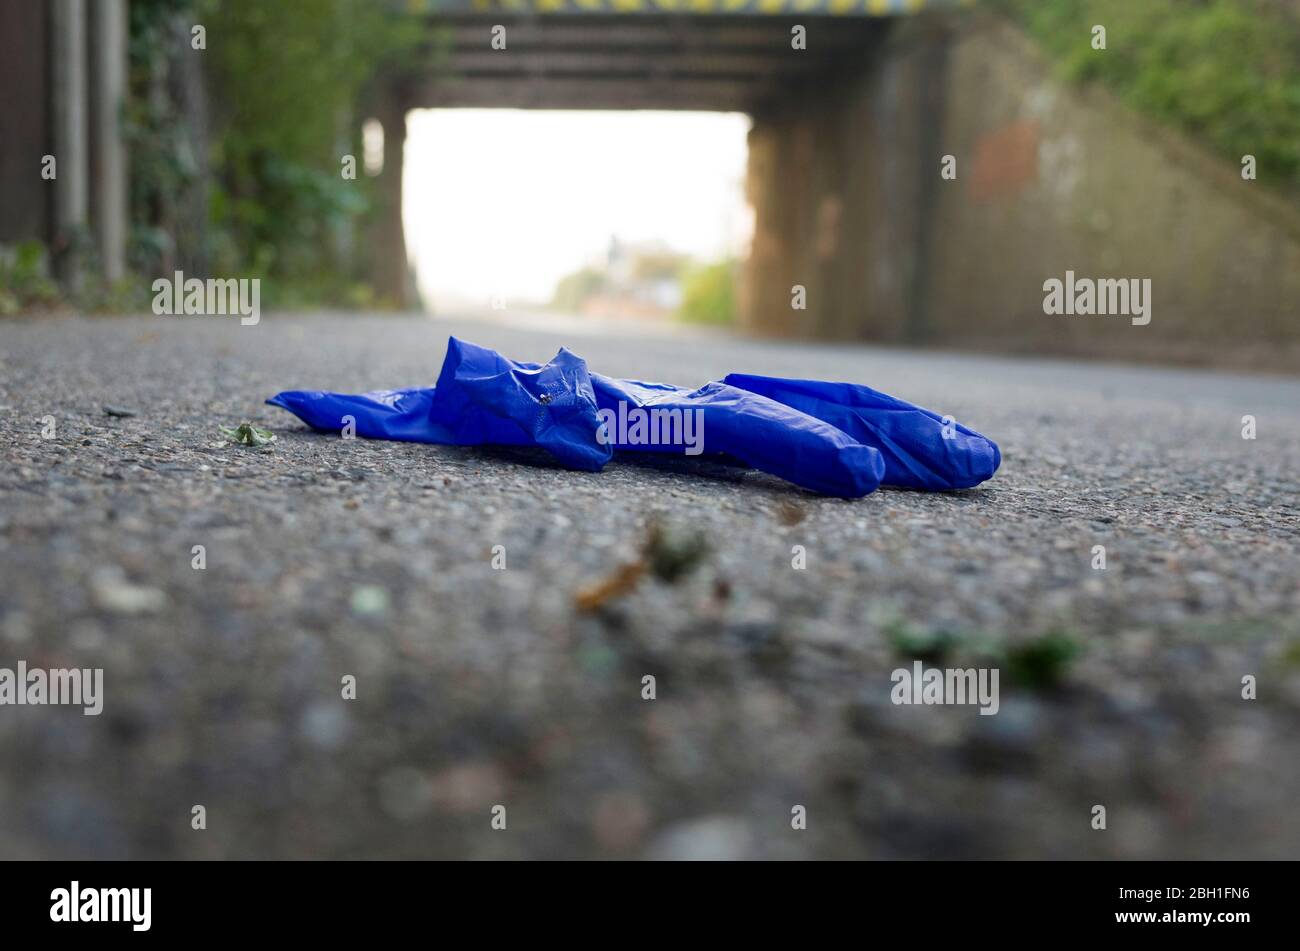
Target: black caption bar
[{"x": 332, "y": 900}]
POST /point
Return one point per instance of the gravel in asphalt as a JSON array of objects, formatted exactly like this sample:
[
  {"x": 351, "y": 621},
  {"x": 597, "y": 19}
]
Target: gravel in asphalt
[{"x": 476, "y": 686}]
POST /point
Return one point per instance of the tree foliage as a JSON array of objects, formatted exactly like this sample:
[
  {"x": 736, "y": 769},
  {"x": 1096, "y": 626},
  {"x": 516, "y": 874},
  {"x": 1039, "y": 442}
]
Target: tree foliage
[
  {"x": 236, "y": 148},
  {"x": 709, "y": 294},
  {"x": 1225, "y": 71}
]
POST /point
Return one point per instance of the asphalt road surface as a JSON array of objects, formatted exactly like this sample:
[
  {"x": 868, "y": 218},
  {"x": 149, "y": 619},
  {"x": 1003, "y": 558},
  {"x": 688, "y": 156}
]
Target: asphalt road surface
[{"x": 477, "y": 687}]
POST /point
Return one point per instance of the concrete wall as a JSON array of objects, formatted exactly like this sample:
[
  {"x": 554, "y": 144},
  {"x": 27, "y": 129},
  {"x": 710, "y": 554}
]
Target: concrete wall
[
  {"x": 849, "y": 202},
  {"x": 841, "y": 205}
]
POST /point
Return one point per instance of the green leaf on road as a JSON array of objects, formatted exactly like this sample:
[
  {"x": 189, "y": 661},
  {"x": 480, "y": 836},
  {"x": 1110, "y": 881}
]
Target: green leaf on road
[
  {"x": 249, "y": 435},
  {"x": 1042, "y": 662}
]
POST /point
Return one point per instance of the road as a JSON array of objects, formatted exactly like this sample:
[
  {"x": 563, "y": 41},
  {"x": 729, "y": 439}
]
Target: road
[{"x": 478, "y": 687}]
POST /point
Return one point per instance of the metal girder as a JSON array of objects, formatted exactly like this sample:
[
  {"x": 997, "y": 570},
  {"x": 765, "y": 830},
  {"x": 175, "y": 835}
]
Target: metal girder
[
  {"x": 615, "y": 64},
  {"x": 656, "y": 34},
  {"x": 611, "y": 8},
  {"x": 661, "y": 62},
  {"x": 547, "y": 92}
]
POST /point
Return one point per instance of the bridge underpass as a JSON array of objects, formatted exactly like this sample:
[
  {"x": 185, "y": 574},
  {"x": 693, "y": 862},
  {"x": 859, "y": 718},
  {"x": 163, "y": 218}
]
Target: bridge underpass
[
  {"x": 713, "y": 63},
  {"x": 809, "y": 74}
]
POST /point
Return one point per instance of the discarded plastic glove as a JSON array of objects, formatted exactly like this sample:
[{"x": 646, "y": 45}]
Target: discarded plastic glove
[
  {"x": 750, "y": 427},
  {"x": 830, "y": 441},
  {"x": 481, "y": 397},
  {"x": 922, "y": 450}
]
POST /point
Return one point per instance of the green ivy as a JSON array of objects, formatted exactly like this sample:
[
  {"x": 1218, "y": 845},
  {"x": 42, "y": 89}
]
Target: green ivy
[
  {"x": 255, "y": 186},
  {"x": 166, "y": 171},
  {"x": 287, "y": 80},
  {"x": 1225, "y": 71}
]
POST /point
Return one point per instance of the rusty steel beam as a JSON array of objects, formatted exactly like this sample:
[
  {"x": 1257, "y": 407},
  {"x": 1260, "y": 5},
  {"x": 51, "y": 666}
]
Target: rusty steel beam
[
  {"x": 702, "y": 94},
  {"x": 507, "y": 63},
  {"x": 656, "y": 33},
  {"x": 700, "y": 8}
]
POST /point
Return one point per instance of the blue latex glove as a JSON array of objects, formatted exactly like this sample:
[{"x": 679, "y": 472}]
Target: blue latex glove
[
  {"x": 754, "y": 429},
  {"x": 483, "y": 397},
  {"x": 921, "y": 451}
]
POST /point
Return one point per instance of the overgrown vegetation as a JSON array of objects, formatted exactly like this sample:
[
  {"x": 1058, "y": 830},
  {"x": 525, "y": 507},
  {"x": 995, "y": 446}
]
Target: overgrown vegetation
[
  {"x": 236, "y": 148},
  {"x": 709, "y": 293},
  {"x": 1225, "y": 71},
  {"x": 287, "y": 80},
  {"x": 574, "y": 289},
  {"x": 25, "y": 278}
]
